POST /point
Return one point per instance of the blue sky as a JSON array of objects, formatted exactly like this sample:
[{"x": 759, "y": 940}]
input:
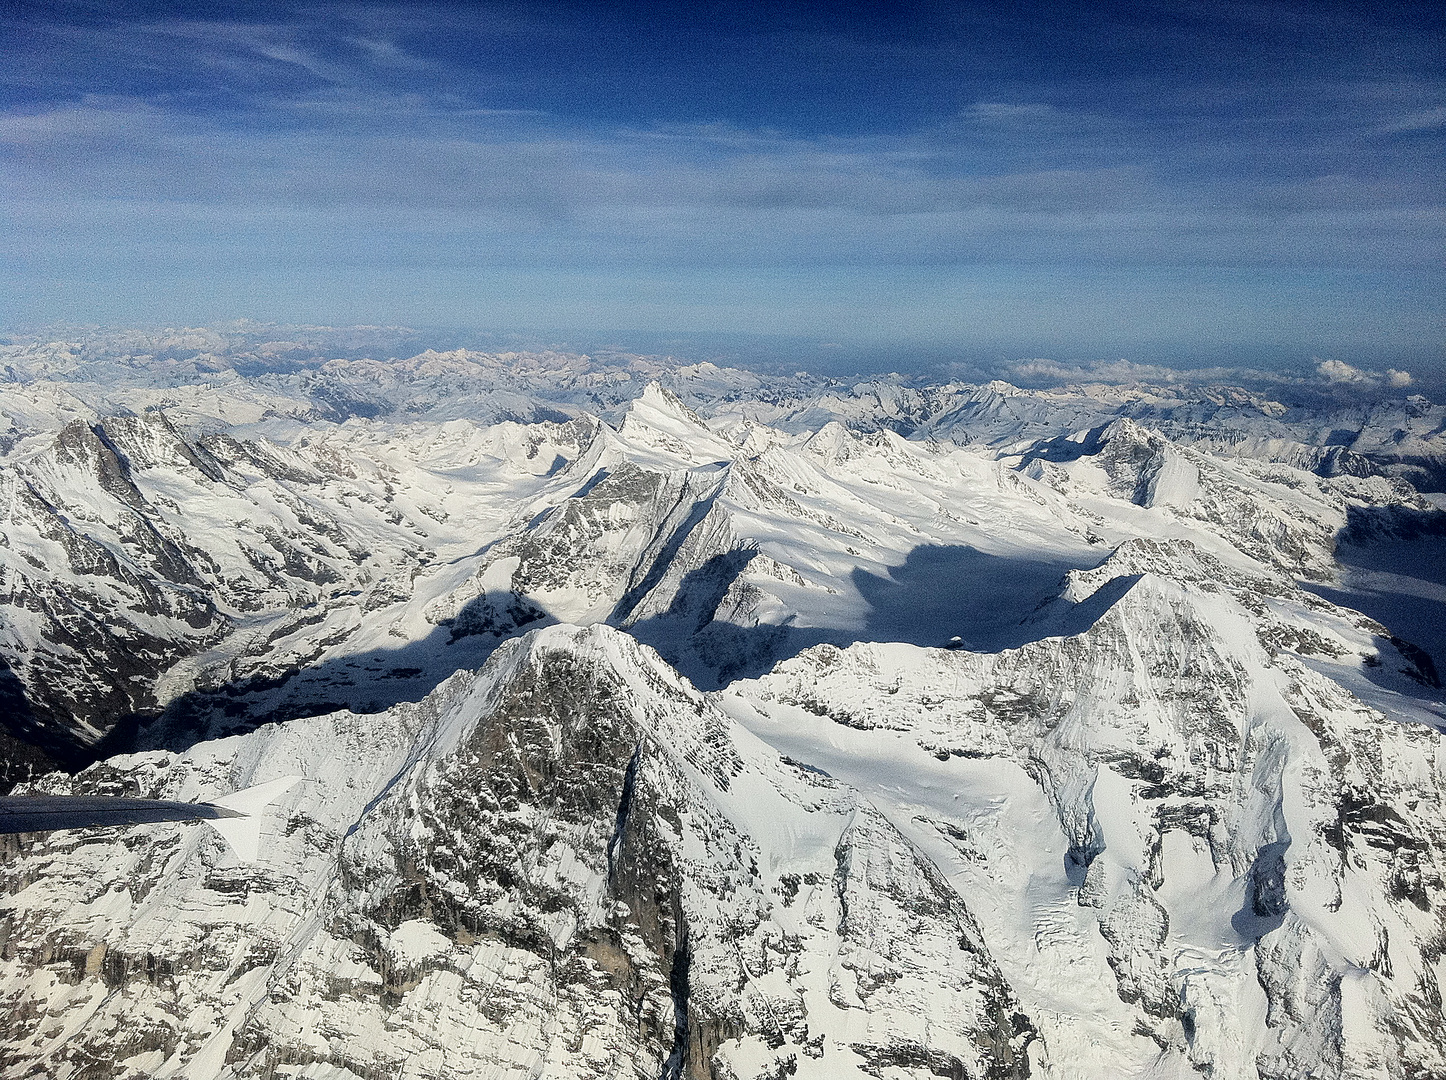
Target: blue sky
[{"x": 1189, "y": 183}]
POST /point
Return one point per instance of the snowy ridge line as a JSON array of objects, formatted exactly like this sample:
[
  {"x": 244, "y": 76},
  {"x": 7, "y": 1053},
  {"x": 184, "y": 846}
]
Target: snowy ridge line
[{"x": 762, "y": 480}]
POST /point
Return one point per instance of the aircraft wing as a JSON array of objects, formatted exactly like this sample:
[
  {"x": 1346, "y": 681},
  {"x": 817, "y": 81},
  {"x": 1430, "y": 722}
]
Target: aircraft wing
[
  {"x": 236, "y": 817},
  {"x": 41, "y": 813}
]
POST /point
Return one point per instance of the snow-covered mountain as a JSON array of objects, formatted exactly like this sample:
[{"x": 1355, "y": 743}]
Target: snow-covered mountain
[{"x": 668, "y": 720}]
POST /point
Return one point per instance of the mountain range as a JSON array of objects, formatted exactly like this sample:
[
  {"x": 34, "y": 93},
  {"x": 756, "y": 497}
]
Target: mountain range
[{"x": 674, "y": 720}]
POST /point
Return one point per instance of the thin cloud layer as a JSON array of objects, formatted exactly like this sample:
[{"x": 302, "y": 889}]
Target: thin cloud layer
[{"x": 701, "y": 196}]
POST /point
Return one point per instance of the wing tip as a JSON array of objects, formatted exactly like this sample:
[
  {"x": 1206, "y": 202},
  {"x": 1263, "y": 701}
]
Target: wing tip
[{"x": 241, "y": 829}]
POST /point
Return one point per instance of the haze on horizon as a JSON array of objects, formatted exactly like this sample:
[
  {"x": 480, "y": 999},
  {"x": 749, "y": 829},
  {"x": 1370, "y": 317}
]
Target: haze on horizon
[{"x": 1179, "y": 183}]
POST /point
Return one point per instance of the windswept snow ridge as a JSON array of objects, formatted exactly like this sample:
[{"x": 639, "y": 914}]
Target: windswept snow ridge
[{"x": 668, "y": 721}]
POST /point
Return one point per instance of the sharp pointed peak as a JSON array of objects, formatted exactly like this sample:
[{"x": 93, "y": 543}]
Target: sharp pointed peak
[
  {"x": 657, "y": 396},
  {"x": 659, "y": 421}
]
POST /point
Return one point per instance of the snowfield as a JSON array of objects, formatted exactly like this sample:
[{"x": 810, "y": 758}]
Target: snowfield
[{"x": 673, "y": 722}]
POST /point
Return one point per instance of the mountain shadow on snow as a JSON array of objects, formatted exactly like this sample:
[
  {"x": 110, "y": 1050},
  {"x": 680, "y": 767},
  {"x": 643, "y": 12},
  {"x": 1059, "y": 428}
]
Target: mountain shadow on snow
[
  {"x": 363, "y": 682},
  {"x": 941, "y": 596},
  {"x": 27, "y": 747},
  {"x": 1393, "y": 569},
  {"x": 943, "y": 592}
]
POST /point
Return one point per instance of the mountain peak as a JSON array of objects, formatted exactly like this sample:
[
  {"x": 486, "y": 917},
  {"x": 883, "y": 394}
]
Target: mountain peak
[
  {"x": 659, "y": 421},
  {"x": 657, "y": 399}
]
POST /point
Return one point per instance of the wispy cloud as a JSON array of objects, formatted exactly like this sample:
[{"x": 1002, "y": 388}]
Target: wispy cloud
[
  {"x": 714, "y": 194},
  {"x": 1027, "y": 115},
  {"x": 1424, "y": 120}
]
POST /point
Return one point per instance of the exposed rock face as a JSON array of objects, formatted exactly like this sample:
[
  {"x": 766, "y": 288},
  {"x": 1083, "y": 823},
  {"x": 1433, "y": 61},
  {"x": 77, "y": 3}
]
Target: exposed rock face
[
  {"x": 140, "y": 568},
  {"x": 104, "y": 595},
  {"x": 568, "y": 864}
]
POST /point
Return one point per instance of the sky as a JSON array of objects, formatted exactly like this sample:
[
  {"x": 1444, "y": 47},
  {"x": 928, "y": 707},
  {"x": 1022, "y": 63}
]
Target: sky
[{"x": 1186, "y": 183}]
